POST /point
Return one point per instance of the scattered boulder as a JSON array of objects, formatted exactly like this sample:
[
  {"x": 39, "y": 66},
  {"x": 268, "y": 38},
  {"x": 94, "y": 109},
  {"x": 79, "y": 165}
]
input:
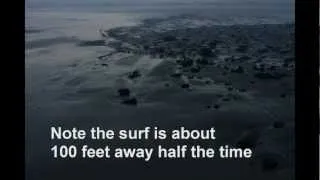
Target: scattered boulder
[
  {"x": 283, "y": 95},
  {"x": 169, "y": 38},
  {"x": 225, "y": 99},
  {"x": 213, "y": 44},
  {"x": 258, "y": 67},
  {"x": 219, "y": 95},
  {"x": 205, "y": 52},
  {"x": 269, "y": 75},
  {"x": 285, "y": 64},
  {"x": 224, "y": 73},
  {"x": 284, "y": 51},
  {"x": 124, "y": 92},
  {"x": 207, "y": 81},
  {"x": 92, "y": 43},
  {"x": 176, "y": 74},
  {"x": 185, "y": 85},
  {"x": 272, "y": 67},
  {"x": 146, "y": 47},
  {"x": 134, "y": 74},
  {"x": 269, "y": 163},
  {"x": 242, "y": 48},
  {"x": 243, "y": 58},
  {"x": 262, "y": 50},
  {"x": 202, "y": 61},
  {"x": 131, "y": 101},
  {"x": 160, "y": 50},
  {"x": 278, "y": 124},
  {"x": 216, "y": 106},
  {"x": 231, "y": 58},
  {"x": 190, "y": 77},
  {"x": 226, "y": 68},
  {"x": 186, "y": 63},
  {"x": 249, "y": 139},
  {"x": 230, "y": 88},
  {"x": 195, "y": 69},
  {"x": 289, "y": 60},
  {"x": 238, "y": 69}
]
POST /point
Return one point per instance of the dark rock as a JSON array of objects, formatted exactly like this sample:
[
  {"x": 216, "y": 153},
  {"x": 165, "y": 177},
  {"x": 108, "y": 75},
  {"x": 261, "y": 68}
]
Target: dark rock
[
  {"x": 202, "y": 61},
  {"x": 185, "y": 85},
  {"x": 208, "y": 106},
  {"x": 238, "y": 69},
  {"x": 146, "y": 47},
  {"x": 216, "y": 106},
  {"x": 224, "y": 73},
  {"x": 248, "y": 140},
  {"x": 160, "y": 50},
  {"x": 242, "y": 90},
  {"x": 219, "y": 95},
  {"x": 284, "y": 51},
  {"x": 104, "y": 56},
  {"x": 190, "y": 77},
  {"x": 262, "y": 50},
  {"x": 186, "y": 63},
  {"x": 124, "y": 92},
  {"x": 269, "y": 163},
  {"x": 104, "y": 64},
  {"x": 166, "y": 84},
  {"x": 169, "y": 38},
  {"x": 230, "y": 88},
  {"x": 283, "y": 95},
  {"x": 242, "y": 48},
  {"x": 272, "y": 68},
  {"x": 134, "y": 74},
  {"x": 252, "y": 82},
  {"x": 131, "y": 101},
  {"x": 213, "y": 44},
  {"x": 171, "y": 53},
  {"x": 235, "y": 96},
  {"x": 92, "y": 43},
  {"x": 278, "y": 124},
  {"x": 225, "y": 99},
  {"x": 227, "y": 59},
  {"x": 243, "y": 58},
  {"x": 195, "y": 69},
  {"x": 176, "y": 74},
  {"x": 207, "y": 81},
  {"x": 205, "y": 52},
  {"x": 258, "y": 67},
  {"x": 289, "y": 60},
  {"x": 269, "y": 75}
]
